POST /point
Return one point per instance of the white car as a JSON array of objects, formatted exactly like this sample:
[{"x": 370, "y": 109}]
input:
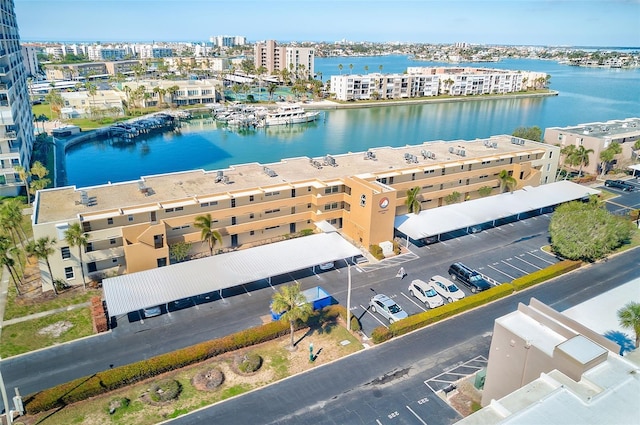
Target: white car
[
  {"x": 152, "y": 311},
  {"x": 426, "y": 293},
  {"x": 447, "y": 289},
  {"x": 326, "y": 266},
  {"x": 387, "y": 307}
]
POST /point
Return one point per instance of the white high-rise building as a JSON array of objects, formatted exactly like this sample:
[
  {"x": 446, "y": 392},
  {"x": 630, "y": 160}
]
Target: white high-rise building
[{"x": 16, "y": 119}]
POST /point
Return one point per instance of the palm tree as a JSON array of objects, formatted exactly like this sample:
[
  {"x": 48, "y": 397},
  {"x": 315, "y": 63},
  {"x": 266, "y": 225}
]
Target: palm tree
[
  {"x": 581, "y": 157},
  {"x": 507, "y": 182},
  {"x": 24, "y": 175},
  {"x": 568, "y": 153},
  {"x": 42, "y": 249},
  {"x": 380, "y": 68},
  {"x": 350, "y": 68},
  {"x": 293, "y": 305},
  {"x": 271, "y": 89},
  {"x": 340, "y": 68},
  {"x": 8, "y": 261},
  {"x": 413, "y": 200},
  {"x": 172, "y": 92},
  {"x": 75, "y": 236},
  {"x": 207, "y": 232},
  {"x": 629, "y": 317},
  {"x": 366, "y": 69},
  {"x": 607, "y": 155},
  {"x": 11, "y": 219}
]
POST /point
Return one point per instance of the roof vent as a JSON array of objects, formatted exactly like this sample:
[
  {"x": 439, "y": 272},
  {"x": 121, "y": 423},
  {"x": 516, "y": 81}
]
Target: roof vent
[
  {"x": 329, "y": 160},
  {"x": 269, "y": 172},
  {"x": 219, "y": 176}
]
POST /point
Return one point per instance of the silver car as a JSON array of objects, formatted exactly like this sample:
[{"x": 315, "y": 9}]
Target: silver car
[
  {"x": 447, "y": 289},
  {"x": 426, "y": 293},
  {"x": 388, "y": 308}
]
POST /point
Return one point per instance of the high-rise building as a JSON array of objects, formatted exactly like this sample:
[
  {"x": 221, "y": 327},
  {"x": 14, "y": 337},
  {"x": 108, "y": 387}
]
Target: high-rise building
[
  {"x": 16, "y": 124},
  {"x": 298, "y": 60},
  {"x": 30, "y": 59}
]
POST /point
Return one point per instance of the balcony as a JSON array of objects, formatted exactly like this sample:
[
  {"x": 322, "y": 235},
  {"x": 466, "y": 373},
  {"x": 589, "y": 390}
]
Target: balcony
[
  {"x": 103, "y": 254},
  {"x": 4, "y": 70}
]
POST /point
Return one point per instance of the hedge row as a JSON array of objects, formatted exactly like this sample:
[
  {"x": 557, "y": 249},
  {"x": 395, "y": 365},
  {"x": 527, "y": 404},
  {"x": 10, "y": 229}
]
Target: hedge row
[
  {"x": 421, "y": 320},
  {"x": 547, "y": 273},
  {"x": 102, "y": 382}
]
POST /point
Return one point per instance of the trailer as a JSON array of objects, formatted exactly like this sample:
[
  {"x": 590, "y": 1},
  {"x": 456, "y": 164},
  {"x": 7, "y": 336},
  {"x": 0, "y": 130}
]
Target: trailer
[{"x": 316, "y": 296}]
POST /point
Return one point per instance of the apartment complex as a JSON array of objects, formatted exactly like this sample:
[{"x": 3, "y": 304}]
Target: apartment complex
[
  {"x": 228, "y": 40},
  {"x": 82, "y": 71},
  {"x": 148, "y": 51},
  {"x": 30, "y": 59},
  {"x": 179, "y": 92},
  {"x": 16, "y": 119},
  {"x": 598, "y": 136},
  {"x": 546, "y": 368},
  {"x": 299, "y": 61},
  {"x": 132, "y": 225},
  {"x": 426, "y": 82}
]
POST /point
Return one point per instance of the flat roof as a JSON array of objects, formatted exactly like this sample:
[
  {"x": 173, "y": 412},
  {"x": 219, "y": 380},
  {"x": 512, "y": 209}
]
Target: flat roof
[
  {"x": 135, "y": 291},
  {"x": 436, "y": 221},
  {"x": 59, "y": 204},
  {"x": 605, "y": 129}
]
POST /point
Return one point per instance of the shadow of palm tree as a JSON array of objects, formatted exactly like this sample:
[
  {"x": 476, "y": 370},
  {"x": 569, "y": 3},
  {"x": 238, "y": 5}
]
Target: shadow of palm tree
[{"x": 622, "y": 339}]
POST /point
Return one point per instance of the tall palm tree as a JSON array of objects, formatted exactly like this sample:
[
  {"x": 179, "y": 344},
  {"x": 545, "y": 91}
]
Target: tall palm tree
[
  {"x": 11, "y": 219},
  {"x": 271, "y": 89},
  {"x": 581, "y": 157},
  {"x": 293, "y": 305},
  {"x": 75, "y": 236},
  {"x": 413, "y": 200},
  {"x": 380, "y": 68},
  {"x": 207, "y": 232},
  {"x": 340, "y": 68},
  {"x": 507, "y": 182},
  {"x": 42, "y": 249},
  {"x": 7, "y": 260},
  {"x": 24, "y": 175},
  {"x": 350, "y": 68},
  {"x": 607, "y": 156},
  {"x": 366, "y": 69},
  {"x": 629, "y": 317},
  {"x": 568, "y": 158}
]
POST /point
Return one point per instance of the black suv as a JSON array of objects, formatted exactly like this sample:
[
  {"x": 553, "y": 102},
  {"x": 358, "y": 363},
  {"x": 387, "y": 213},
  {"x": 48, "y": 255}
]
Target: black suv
[
  {"x": 620, "y": 184},
  {"x": 471, "y": 278}
]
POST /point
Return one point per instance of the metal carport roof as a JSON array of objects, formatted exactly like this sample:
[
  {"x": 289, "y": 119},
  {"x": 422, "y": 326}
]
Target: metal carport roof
[
  {"x": 132, "y": 292},
  {"x": 448, "y": 218}
]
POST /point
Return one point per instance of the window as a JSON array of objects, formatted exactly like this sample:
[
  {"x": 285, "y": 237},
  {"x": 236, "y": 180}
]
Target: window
[
  {"x": 208, "y": 204},
  {"x": 179, "y": 208},
  {"x": 250, "y": 198},
  {"x": 251, "y": 232},
  {"x": 272, "y": 193},
  {"x": 251, "y": 216},
  {"x": 66, "y": 253},
  {"x": 110, "y": 221},
  {"x": 68, "y": 272},
  {"x": 233, "y": 202},
  {"x": 272, "y": 211},
  {"x": 130, "y": 218},
  {"x": 272, "y": 227},
  {"x": 550, "y": 154},
  {"x": 363, "y": 200},
  {"x": 169, "y": 210},
  {"x": 112, "y": 241}
]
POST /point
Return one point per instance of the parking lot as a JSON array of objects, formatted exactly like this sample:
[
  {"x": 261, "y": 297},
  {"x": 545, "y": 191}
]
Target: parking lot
[{"x": 623, "y": 202}]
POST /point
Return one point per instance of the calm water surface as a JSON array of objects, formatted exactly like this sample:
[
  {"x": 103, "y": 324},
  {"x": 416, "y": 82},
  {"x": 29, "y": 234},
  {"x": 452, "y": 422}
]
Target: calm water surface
[{"x": 586, "y": 95}]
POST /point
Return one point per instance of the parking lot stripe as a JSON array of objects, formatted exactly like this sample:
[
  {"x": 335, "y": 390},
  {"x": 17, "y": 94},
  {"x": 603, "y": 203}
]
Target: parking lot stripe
[
  {"x": 411, "y": 299},
  {"x": 416, "y": 415},
  {"x": 511, "y": 265},
  {"x": 500, "y": 271},
  {"x": 531, "y": 264},
  {"x": 374, "y": 316},
  {"x": 540, "y": 258}
]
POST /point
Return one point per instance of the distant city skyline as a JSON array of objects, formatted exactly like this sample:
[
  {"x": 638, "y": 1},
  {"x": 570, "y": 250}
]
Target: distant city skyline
[{"x": 516, "y": 22}]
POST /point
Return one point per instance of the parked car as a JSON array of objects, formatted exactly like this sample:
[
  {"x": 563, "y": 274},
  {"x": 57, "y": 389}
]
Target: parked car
[
  {"x": 326, "y": 266},
  {"x": 620, "y": 184},
  {"x": 469, "y": 277},
  {"x": 447, "y": 289},
  {"x": 152, "y": 311},
  {"x": 387, "y": 308},
  {"x": 425, "y": 292}
]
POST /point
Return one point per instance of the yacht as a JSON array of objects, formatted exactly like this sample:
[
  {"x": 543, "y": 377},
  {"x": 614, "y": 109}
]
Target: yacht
[{"x": 290, "y": 114}]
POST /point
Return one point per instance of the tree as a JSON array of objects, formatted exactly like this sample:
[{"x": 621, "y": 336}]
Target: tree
[
  {"x": 350, "y": 68},
  {"x": 629, "y": 317},
  {"x": 75, "y": 236},
  {"x": 366, "y": 69},
  {"x": 293, "y": 305},
  {"x": 172, "y": 92},
  {"x": 485, "y": 191},
  {"x": 587, "y": 231},
  {"x": 380, "y": 68},
  {"x": 452, "y": 198},
  {"x": 507, "y": 182},
  {"x": 7, "y": 260},
  {"x": 271, "y": 89},
  {"x": 42, "y": 249},
  {"x": 207, "y": 232},
  {"x": 568, "y": 158},
  {"x": 608, "y": 155},
  {"x": 11, "y": 220},
  {"x": 56, "y": 102},
  {"x": 40, "y": 171},
  {"x": 179, "y": 251},
  {"x": 413, "y": 200},
  {"x": 340, "y": 68},
  {"x": 581, "y": 157},
  {"x": 530, "y": 133},
  {"x": 24, "y": 175}
]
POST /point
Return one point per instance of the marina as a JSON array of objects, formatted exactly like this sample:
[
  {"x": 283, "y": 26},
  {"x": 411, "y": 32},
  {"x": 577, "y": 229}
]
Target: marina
[{"x": 251, "y": 116}]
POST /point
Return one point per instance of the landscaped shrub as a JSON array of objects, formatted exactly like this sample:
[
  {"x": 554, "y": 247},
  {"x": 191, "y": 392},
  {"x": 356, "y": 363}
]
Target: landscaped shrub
[
  {"x": 102, "y": 382},
  {"x": 338, "y": 310},
  {"x": 547, "y": 273},
  {"x": 165, "y": 390},
  {"x": 396, "y": 248},
  {"x": 208, "y": 380},
  {"x": 421, "y": 320},
  {"x": 381, "y": 334},
  {"x": 248, "y": 363},
  {"x": 376, "y": 251}
]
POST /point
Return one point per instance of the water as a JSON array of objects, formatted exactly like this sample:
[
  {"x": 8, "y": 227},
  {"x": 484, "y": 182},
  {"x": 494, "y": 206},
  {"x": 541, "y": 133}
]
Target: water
[{"x": 586, "y": 95}]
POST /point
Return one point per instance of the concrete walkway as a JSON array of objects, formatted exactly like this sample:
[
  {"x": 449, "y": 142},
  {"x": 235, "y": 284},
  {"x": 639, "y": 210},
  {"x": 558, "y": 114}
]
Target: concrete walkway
[{"x": 43, "y": 314}]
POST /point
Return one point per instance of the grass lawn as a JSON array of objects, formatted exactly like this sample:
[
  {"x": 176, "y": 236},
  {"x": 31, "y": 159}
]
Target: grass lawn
[
  {"x": 277, "y": 364},
  {"x": 32, "y": 334}
]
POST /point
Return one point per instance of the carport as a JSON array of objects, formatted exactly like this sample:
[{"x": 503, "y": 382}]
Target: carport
[
  {"x": 635, "y": 168},
  {"x": 434, "y": 222},
  {"x": 133, "y": 292}
]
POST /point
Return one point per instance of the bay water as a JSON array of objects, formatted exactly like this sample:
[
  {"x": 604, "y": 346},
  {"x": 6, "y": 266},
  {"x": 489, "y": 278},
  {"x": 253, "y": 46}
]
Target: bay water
[{"x": 585, "y": 95}]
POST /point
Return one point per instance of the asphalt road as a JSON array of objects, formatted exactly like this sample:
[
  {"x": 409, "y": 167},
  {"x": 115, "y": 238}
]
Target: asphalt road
[{"x": 387, "y": 384}]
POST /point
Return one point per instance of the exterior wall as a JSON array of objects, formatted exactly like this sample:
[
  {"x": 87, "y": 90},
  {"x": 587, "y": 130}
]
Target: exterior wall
[
  {"x": 16, "y": 129},
  {"x": 301, "y": 61},
  {"x": 30, "y": 59},
  {"x": 190, "y": 92},
  {"x": 362, "y": 206},
  {"x": 271, "y": 56}
]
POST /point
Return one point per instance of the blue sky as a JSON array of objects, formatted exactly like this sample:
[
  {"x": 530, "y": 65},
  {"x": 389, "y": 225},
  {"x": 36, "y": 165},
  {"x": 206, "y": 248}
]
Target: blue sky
[{"x": 530, "y": 22}]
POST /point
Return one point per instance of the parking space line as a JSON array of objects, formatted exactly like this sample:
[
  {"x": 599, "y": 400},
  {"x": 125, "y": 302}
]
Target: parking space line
[
  {"x": 525, "y": 261},
  {"x": 501, "y": 272},
  {"x": 539, "y": 258},
  {"x": 416, "y": 415},
  {"x": 511, "y": 265},
  {"x": 374, "y": 316},
  {"x": 411, "y": 299}
]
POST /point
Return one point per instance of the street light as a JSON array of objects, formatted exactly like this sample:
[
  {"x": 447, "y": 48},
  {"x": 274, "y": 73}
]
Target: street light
[
  {"x": 7, "y": 411},
  {"x": 348, "y": 296}
]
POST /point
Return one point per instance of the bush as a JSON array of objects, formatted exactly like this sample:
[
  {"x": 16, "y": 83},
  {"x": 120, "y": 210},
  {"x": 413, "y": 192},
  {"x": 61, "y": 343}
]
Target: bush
[
  {"x": 396, "y": 248},
  {"x": 421, "y": 320},
  {"x": 381, "y": 334},
  {"x": 547, "y": 273},
  {"x": 108, "y": 380},
  {"x": 336, "y": 310},
  {"x": 249, "y": 363},
  {"x": 165, "y": 390},
  {"x": 376, "y": 251}
]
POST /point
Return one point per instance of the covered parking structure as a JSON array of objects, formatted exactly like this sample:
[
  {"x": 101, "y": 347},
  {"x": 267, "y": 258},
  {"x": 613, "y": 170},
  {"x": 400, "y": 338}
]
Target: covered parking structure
[
  {"x": 431, "y": 224},
  {"x": 132, "y": 292}
]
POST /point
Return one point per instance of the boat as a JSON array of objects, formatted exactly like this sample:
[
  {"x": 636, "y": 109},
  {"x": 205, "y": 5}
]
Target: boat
[{"x": 290, "y": 114}]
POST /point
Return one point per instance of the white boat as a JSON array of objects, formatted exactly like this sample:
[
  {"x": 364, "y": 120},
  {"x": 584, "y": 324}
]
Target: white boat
[{"x": 290, "y": 114}]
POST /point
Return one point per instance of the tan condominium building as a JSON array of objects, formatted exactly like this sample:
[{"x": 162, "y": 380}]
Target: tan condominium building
[
  {"x": 427, "y": 82},
  {"x": 299, "y": 61},
  {"x": 598, "y": 136},
  {"x": 89, "y": 70},
  {"x": 177, "y": 92},
  {"x": 132, "y": 225}
]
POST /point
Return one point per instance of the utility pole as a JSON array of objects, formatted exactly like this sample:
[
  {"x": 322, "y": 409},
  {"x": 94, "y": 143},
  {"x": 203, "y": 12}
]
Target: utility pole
[
  {"x": 7, "y": 409},
  {"x": 348, "y": 296}
]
